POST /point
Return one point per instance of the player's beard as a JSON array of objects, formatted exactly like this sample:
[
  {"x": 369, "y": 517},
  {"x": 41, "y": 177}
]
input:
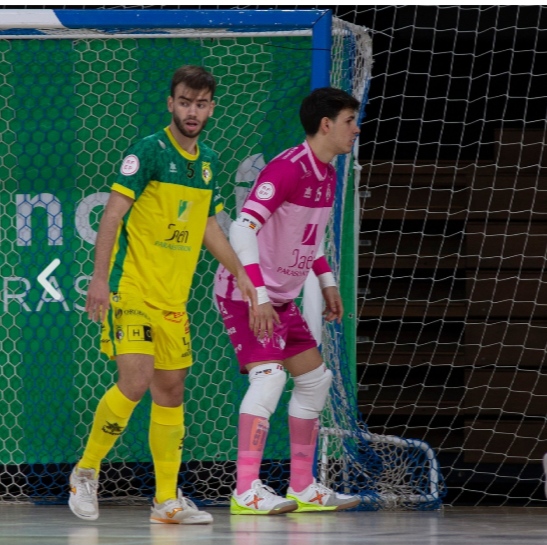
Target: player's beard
[{"x": 180, "y": 126}]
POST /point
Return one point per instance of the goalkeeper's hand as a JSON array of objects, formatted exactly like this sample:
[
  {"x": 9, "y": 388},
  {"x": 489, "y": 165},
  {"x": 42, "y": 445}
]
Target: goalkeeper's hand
[
  {"x": 334, "y": 309},
  {"x": 262, "y": 323}
]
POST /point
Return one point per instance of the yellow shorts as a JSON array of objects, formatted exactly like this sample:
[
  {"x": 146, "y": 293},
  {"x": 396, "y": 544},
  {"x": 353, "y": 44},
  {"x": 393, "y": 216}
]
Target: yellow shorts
[{"x": 134, "y": 327}]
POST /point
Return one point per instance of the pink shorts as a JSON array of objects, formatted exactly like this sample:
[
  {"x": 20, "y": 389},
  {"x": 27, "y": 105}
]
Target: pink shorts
[{"x": 291, "y": 337}]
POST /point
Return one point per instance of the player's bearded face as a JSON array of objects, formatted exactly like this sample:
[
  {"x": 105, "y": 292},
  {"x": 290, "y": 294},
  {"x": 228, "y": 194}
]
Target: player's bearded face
[
  {"x": 189, "y": 126},
  {"x": 190, "y": 110}
]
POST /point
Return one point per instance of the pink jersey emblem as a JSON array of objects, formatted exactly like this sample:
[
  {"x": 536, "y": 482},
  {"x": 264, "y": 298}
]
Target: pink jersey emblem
[
  {"x": 265, "y": 191},
  {"x": 310, "y": 235}
]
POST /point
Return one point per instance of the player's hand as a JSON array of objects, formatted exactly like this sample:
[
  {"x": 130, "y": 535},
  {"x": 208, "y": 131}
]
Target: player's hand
[
  {"x": 334, "y": 309},
  {"x": 262, "y": 325},
  {"x": 248, "y": 292},
  {"x": 98, "y": 299}
]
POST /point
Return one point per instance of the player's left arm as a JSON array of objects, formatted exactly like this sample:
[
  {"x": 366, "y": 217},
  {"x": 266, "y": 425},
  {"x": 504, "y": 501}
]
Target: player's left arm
[
  {"x": 334, "y": 308},
  {"x": 217, "y": 243}
]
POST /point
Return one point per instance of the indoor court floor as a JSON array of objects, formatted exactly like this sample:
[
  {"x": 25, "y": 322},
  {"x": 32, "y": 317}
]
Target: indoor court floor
[{"x": 55, "y": 525}]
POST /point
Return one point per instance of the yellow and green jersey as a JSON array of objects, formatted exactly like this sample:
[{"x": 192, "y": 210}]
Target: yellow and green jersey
[{"x": 159, "y": 239}]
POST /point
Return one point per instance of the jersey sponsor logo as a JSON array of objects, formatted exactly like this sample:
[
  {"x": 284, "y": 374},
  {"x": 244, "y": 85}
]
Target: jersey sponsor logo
[
  {"x": 177, "y": 235},
  {"x": 119, "y": 334},
  {"x": 329, "y": 193},
  {"x": 130, "y": 165},
  {"x": 175, "y": 317},
  {"x": 139, "y": 333},
  {"x": 290, "y": 272},
  {"x": 206, "y": 172},
  {"x": 172, "y": 167},
  {"x": 307, "y": 193},
  {"x": 186, "y": 342},
  {"x": 173, "y": 247},
  {"x": 136, "y": 312},
  {"x": 265, "y": 191},
  {"x": 301, "y": 261},
  {"x": 310, "y": 234},
  {"x": 187, "y": 348},
  {"x": 184, "y": 210}
]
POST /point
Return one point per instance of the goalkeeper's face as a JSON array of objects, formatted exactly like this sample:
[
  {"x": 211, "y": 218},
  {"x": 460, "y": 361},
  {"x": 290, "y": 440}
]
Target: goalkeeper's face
[
  {"x": 343, "y": 131},
  {"x": 190, "y": 109}
]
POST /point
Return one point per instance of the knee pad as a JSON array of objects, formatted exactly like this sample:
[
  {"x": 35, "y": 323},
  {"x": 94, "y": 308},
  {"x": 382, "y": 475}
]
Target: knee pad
[
  {"x": 310, "y": 392},
  {"x": 266, "y": 386}
]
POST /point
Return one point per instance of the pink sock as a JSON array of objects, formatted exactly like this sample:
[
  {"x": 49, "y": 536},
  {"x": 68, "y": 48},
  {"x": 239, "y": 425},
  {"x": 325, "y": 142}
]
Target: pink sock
[
  {"x": 303, "y": 443},
  {"x": 253, "y": 431}
]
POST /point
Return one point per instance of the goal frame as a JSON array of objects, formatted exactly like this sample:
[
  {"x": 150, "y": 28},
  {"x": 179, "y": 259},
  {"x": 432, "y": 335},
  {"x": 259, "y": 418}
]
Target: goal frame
[
  {"x": 36, "y": 23},
  {"x": 44, "y": 24}
]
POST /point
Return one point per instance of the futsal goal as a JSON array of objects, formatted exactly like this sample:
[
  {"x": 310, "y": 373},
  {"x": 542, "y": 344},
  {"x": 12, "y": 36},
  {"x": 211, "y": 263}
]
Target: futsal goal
[{"x": 76, "y": 89}]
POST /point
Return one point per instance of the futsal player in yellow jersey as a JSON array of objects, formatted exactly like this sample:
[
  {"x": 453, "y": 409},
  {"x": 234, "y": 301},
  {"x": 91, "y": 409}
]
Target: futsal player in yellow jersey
[{"x": 161, "y": 209}]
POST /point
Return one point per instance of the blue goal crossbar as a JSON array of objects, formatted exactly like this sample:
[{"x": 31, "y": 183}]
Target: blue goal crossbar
[{"x": 33, "y": 23}]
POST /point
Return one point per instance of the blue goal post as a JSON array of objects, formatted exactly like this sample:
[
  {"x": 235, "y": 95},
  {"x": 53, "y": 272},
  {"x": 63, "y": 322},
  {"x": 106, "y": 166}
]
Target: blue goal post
[{"x": 36, "y": 22}]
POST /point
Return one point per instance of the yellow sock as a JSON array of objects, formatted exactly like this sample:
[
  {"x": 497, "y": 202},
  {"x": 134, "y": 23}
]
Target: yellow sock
[
  {"x": 111, "y": 418},
  {"x": 166, "y": 436}
]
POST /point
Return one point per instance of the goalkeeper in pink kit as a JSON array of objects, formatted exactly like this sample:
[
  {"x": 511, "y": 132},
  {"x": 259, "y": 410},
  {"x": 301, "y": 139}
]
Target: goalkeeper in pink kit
[{"x": 278, "y": 237}]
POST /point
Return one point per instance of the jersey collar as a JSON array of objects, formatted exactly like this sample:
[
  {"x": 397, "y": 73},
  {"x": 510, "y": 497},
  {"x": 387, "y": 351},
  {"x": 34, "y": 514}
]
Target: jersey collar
[
  {"x": 314, "y": 160},
  {"x": 184, "y": 153}
]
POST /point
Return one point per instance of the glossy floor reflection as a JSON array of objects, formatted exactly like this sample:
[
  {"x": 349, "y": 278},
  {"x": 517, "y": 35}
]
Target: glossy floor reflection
[{"x": 55, "y": 525}]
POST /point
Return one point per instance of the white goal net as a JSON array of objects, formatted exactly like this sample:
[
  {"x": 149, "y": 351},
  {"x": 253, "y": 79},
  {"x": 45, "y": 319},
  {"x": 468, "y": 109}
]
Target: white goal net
[
  {"x": 76, "y": 89},
  {"x": 452, "y": 303}
]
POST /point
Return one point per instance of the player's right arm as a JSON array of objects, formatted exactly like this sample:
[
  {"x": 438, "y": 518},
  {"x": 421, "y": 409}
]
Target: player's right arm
[
  {"x": 98, "y": 292},
  {"x": 243, "y": 239}
]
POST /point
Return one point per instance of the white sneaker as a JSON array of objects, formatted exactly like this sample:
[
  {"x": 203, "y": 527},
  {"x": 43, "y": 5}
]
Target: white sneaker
[
  {"x": 179, "y": 511},
  {"x": 83, "y": 493},
  {"x": 260, "y": 500},
  {"x": 317, "y": 497}
]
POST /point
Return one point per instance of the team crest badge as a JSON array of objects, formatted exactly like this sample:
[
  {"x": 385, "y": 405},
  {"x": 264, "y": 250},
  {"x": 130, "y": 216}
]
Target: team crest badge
[{"x": 206, "y": 172}]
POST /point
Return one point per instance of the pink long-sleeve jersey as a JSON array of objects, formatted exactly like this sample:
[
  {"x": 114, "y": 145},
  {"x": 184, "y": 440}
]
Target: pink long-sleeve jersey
[{"x": 292, "y": 198}]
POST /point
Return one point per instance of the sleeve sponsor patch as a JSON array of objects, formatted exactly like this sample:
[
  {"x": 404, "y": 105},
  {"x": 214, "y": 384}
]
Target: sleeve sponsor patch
[
  {"x": 265, "y": 191},
  {"x": 130, "y": 165},
  {"x": 247, "y": 223}
]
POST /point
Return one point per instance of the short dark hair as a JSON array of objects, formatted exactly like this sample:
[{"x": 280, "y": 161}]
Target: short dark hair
[
  {"x": 324, "y": 102},
  {"x": 195, "y": 77}
]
